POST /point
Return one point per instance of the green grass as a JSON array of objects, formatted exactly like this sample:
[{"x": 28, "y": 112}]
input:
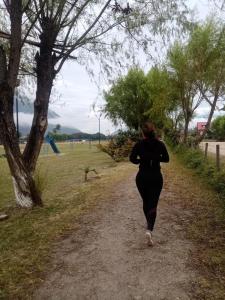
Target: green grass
[
  {"x": 205, "y": 226},
  {"x": 212, "y": 158},
  {"x": 27, "y": 237},
  {"x": 206, "y": 168}
]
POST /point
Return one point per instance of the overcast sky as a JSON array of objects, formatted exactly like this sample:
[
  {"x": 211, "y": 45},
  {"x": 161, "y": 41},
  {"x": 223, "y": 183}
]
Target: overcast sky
[{"x": 77, "y": 92}]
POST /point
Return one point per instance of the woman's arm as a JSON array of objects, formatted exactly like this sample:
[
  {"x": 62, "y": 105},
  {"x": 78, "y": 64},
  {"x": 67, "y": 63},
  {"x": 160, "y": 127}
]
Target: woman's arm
[
  {"x": 134, "y": 155},
  {"x": 164, "y": 155}
]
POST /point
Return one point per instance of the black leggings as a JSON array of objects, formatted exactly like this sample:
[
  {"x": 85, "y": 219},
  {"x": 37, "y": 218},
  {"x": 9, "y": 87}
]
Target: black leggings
[{"x": 149, "y": 186}]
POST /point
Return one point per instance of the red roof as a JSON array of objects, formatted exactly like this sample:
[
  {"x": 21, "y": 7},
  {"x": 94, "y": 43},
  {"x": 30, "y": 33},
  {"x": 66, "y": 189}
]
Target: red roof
[{"x": 201, "y": 125}]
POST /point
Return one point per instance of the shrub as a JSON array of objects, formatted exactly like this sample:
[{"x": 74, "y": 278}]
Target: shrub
[
  {"x": 116, "y": 151},
  {"x": 87, "y": 170},
  {"x": 218, "y": 182},
  {"x": 119, "y": 147},
  {"x": 193, "y": 158},
  {"x": 172, "y": 137}
]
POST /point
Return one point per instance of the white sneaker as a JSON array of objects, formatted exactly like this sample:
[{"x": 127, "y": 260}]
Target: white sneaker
[{"x": 149, "y": 238}]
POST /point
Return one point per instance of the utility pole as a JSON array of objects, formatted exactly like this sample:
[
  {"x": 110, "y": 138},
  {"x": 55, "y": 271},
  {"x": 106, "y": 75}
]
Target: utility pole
[
  {"x": 99, "y": 128},
  {"x": 98, "y": 114}
]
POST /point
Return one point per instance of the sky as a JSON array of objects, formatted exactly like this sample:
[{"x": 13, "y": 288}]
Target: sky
[{"x": 76, "y": 92}]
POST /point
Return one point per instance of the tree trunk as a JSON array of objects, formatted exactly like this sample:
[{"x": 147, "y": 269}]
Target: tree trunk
[
  {"x": 186, "y": 125},
  {"x": 24, "y": 185},
  {"x": 39, "y": 125},
  {"x": 45, "y": 75}
]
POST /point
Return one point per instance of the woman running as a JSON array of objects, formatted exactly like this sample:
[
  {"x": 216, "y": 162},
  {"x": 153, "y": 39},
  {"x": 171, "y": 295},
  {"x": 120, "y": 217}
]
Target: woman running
[{"x": 148, "y": 153}]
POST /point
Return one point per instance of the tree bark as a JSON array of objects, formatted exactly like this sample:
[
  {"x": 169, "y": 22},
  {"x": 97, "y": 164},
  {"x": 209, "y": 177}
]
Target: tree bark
[
  {"x": 45, "y": 61},
  {"x": 15, "y": 42},
  {"x": 22, "y": 166},
  {"x": 186, "y": 125},
  {"x": 24, "y": 186},
  {"x": 40, "y": 122}
]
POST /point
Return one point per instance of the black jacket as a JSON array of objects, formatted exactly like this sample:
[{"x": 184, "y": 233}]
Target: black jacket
[{"x": 148, "y": 153}]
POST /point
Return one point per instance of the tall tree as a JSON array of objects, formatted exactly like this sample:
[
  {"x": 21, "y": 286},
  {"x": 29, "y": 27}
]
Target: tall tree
[
  {"x": 127, "y": 100},
  {"x": 63, "y": 30},
  {"x": 207, "y": 48},
  {"x": 183, "y": 74},
  {"x": 136, "y": 98},
  {"x": 162, "y": 95}
]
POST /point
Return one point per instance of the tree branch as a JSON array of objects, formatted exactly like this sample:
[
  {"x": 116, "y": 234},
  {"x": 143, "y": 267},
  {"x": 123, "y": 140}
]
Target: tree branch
[
  {"x": 7, "y": 36},
  {"x": 26, "y": 6},
  {"x": 33, "y": 23},
  {"x": 94, "y": 23},
  {"x": 72, "y": 22},
  {"x": 81, "y": 41},
  {"x": 68, "y": 13},
  {"x": 15, "y": 41}
]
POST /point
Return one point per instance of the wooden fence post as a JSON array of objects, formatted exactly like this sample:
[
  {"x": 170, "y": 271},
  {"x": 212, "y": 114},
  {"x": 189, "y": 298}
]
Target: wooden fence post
[
  {"x": 218, "y": 157},
  {"x": 206, "y": 149}
]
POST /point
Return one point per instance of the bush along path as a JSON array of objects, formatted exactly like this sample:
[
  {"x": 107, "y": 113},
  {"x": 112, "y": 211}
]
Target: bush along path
[{"x": 108, "y": 258}]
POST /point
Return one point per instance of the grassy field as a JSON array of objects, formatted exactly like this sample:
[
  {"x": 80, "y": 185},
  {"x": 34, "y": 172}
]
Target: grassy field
[{"x": 26, "y": 238}]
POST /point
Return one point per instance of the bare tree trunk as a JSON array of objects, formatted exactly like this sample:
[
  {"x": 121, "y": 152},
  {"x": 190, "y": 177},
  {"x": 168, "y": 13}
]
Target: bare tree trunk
[
  {"x": 186, "y": 125},
  {"x": 45, "y": 62},
  {"x": 39, "y": 124},
  {"x": 24, "y": 185}
]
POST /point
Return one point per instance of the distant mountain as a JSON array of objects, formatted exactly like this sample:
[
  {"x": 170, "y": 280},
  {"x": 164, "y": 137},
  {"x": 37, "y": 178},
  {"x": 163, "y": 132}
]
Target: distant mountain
[
  {"x": 26, "y": 106},
  {"x": 25, "y": 129}
]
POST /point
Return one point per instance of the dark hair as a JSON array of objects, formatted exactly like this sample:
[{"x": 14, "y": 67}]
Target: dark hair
[{"x": 148, "y": 129}]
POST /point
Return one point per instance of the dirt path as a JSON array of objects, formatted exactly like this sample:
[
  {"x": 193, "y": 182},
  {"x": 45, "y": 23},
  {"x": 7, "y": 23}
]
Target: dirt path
[{"x": 107, "y": 258}]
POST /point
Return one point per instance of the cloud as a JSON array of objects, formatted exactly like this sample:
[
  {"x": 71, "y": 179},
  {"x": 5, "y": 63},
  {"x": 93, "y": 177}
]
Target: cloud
[{"x": 77, "y": 93}]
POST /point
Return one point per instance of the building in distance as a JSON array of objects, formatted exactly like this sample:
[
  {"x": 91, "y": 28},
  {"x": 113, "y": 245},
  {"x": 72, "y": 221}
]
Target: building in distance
[{"x": 201, "y": 127}]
